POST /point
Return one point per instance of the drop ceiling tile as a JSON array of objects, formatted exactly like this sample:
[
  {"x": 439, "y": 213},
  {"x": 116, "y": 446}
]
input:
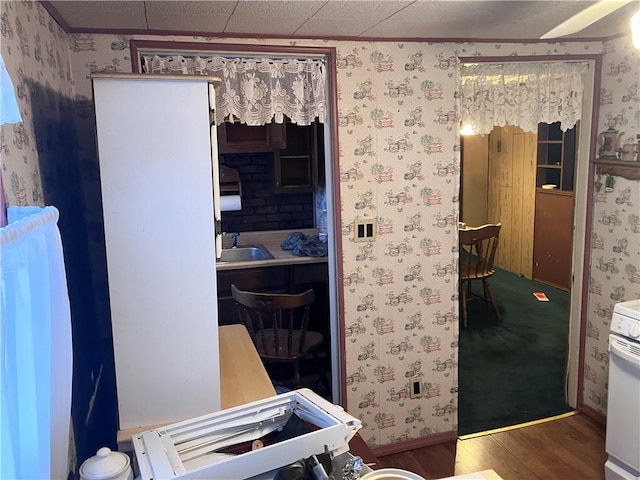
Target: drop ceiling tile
[
  {"x": 391, "y": 28},
  {"x": 496, "y": 19},
  {"x": 471, "y": 30},
  {"x": 274, "y": 9},
  {"x": 189, "y": 8},
  {"x": 271, "y": 17},
  {"x": 365, "y": 11},
  {"x": 193, "y": 16},
  {"x": 336, "y": 27},
  {"x": 494, "y": 12},
  {"x": 198, "y": 23},
  {"x": 102, "y": 14},
  {"x": 260, "y": 25},
  {"x": 478, "y": 19}
]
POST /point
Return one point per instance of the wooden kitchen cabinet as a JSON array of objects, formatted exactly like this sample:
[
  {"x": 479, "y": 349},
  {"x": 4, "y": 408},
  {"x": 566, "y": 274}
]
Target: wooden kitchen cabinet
[
  {"x": 296, "y": 165},
  {"x": 553, "y": 220},
  {"x": 553, "y": 238},
  {"x": 556, "y": 156},
  {"x": 295, "y": 150},
  {"x": 241, "y": 138}
]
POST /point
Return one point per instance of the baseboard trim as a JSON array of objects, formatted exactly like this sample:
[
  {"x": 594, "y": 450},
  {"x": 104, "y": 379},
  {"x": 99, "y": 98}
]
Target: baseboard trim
[
  {"x": 594, "y": 415},
  {"x": 435, "y": 439},
  {"x": 519, "y": 425}
]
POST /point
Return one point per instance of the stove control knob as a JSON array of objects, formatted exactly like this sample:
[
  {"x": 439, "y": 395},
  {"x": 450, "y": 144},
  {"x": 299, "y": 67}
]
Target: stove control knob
[{"x": 634, "y": 330}]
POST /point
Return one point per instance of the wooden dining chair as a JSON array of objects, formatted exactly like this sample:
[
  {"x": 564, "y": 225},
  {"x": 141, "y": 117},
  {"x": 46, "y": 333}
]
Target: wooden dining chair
[
  {"x": 278, "y": 324},
  {"x": 477, "y": 253}
]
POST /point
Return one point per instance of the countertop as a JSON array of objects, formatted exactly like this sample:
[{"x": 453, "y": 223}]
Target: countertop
[
  {"x": 243, "y": 378},
  {"x": 271, "y": 240}
]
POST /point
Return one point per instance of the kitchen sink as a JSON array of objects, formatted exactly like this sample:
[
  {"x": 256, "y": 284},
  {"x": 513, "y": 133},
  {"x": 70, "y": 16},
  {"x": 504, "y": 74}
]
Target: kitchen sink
[{"x": 247, "y": 253}]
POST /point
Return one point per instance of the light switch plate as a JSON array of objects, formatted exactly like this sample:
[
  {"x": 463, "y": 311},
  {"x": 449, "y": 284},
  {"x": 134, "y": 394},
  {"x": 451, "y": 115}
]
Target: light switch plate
[
  {"x": 365, "y": 229},
  {"x": 415, "y": 387}
]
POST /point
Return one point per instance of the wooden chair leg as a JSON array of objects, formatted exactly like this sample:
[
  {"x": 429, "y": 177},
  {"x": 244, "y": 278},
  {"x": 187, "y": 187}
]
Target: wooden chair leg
[{"x": 488, "y": 296}]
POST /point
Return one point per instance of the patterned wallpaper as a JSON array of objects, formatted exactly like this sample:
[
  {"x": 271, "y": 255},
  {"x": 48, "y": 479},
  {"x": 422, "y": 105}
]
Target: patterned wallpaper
[
  {"x": 399, "y": 163},
  {"x": 35, "y": 52},
  {"x": 615, "y": 239}
]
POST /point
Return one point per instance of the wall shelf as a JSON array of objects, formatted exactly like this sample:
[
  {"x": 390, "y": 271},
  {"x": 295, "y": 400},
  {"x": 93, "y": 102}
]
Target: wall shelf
[
  {"x": 619, "y": 168},
  {"x": 555, "y": 156}
]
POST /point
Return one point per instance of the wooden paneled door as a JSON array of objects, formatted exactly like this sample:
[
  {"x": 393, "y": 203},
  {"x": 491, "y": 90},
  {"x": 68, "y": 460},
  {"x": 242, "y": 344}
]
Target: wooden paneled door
[
  {"x": 511, "y": 196},
  {"x": 552, "y": 247}
]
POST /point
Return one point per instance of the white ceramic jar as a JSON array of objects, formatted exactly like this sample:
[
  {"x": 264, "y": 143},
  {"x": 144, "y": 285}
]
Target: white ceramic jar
[{"x": 107, "y": 465}]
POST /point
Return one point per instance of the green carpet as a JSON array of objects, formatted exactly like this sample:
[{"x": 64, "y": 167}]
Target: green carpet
[{"x": 512, "y": 370}]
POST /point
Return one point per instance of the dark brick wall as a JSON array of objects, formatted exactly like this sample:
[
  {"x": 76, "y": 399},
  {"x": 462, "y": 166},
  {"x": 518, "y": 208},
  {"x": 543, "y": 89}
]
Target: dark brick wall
[{"x": 262, "y": 208}]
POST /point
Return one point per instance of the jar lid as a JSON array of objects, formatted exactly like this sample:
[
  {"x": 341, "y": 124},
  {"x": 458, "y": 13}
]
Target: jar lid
[{"x": 104, "y": 465}]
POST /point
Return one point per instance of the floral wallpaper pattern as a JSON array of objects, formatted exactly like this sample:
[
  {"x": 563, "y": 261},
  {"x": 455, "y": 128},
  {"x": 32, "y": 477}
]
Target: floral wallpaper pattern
[
  {"x": 399, "y": 165},
  {"x": 33, "y": 47},
  {"x": 615, "y": 240}
]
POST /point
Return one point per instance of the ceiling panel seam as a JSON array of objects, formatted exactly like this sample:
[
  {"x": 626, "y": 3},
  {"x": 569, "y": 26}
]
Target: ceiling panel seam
[{"x": 146, "y": 18}]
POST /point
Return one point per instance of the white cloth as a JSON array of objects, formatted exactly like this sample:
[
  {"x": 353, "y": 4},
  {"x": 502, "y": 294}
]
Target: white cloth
[
  {"x": 521, "y": 94},
  {"x": 35, "y": 347},
  {"x": 255, "y": 91}
]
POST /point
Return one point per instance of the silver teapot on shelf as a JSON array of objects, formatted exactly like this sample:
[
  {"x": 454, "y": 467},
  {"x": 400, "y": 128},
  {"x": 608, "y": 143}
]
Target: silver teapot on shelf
[{"x": 609, "y": 142}]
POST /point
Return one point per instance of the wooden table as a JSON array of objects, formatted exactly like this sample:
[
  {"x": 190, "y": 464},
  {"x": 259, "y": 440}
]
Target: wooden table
[{"x": 243, "y": 378}]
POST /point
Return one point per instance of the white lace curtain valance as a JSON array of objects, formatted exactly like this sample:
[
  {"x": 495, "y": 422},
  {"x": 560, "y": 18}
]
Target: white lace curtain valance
[
  {"x": 521, "y": 94},
  {"x": 256, "y": 90}
]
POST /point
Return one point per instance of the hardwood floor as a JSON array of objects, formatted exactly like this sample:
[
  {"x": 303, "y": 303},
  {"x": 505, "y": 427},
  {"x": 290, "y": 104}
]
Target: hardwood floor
[{"x": 572, "y": 447}]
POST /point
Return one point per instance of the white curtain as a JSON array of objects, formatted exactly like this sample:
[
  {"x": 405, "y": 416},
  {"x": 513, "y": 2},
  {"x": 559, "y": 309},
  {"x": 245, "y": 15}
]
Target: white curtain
[
  {"x": 256, "y": 90},
  {"x": 35, "y": 347},
  {"x": 521, "y": 94}
]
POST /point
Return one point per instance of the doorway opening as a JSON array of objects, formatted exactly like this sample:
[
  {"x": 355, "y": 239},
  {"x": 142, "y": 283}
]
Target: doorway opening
[
  {"x": 571, "y": 298},
  {"x": 512, "y": 369},
  {"x": 293, "y": 178}
]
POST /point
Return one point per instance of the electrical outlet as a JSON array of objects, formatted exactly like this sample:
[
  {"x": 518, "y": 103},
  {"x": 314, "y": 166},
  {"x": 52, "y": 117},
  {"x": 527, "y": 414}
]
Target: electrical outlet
[
  {"x": 365, "y": 230},
  {"x": 415, "y": 387}
]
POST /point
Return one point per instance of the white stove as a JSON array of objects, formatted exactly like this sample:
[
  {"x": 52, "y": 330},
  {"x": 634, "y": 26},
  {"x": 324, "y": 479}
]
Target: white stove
[
  {"x": 626, "y": 320},
  {"x": 623, "y": 406}
]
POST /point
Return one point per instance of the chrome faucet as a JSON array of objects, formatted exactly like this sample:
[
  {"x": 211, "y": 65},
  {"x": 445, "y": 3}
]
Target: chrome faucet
[{"x": 234, "y": 238}]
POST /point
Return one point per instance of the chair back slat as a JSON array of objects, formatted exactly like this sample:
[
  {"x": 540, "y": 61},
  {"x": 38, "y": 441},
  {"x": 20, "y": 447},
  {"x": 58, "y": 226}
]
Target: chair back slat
[
  {"x": 268, "y": 315},
  {"x": 477, "y": 254},
  {"x": 478, "y": 248}
]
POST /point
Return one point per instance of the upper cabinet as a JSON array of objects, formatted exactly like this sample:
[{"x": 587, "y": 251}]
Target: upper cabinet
[
  {"x": 295, "y": 149},
  {"x": 241, "y": 138},
  {"x": 556, "y": 157},
  {"x": 297, "y": 163}
]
